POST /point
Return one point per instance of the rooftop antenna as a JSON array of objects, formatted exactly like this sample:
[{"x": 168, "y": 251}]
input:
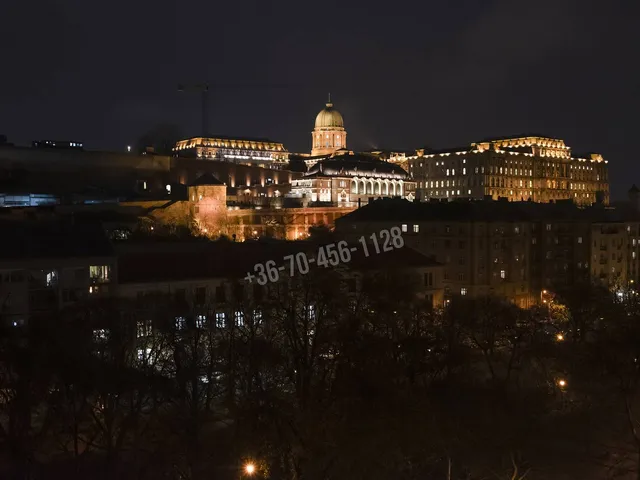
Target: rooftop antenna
[{"x": 329, "y": 102}]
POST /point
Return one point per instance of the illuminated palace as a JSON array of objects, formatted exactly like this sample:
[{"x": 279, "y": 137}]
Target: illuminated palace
[
  {"x": 349, "y": 179},
  {"x": 329, "y": 134},
  {"x": 246, "y": 151},
  {"x": 338, "y": 176},
  {"x": 533, "y": 168}
]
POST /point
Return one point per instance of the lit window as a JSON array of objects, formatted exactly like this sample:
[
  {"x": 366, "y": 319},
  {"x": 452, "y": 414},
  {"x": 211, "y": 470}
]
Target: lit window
[
  {"x": 416, "y": 228},
  {"x": 404, "y": 227},
  {"x": 257, "y": 317},
  {"x": 311, "y": 310},
  {"x": 52, "y": 278},
  {"x": 143, "y": 354},
  {"x": 464, "y": 171},
  {"x": 220, "y": 320},
  {"x": 181, "y": 323},
  {"x": 99, "y": 273},
  {"x": 548, "y": 227},
  {"x": 463, "y": 291},
  {"x": 503, "y": 274},
  {"x": 239, "y": 318},
  {"x": 579, "y": 239},
  {"x": 168, "y": 189},
  {"x": 201, "y": 321},
  {"x": 144, "y": 329},
  {"x": 100, "y": 334},
  {"x": 516, "y": 230}
]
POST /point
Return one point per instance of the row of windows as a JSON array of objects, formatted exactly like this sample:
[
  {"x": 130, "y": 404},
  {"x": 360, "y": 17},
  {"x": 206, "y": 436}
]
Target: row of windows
[
  {"x": 97, "y": 273},
  {"x": 220, "y": 320},
  {"x": 503, "y": 274}
]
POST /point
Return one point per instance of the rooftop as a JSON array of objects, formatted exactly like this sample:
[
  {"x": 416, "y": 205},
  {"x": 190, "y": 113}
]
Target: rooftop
[
  {"x": 156, "y": 262},
  {"x": 55, "y": 239},
  {"x": 206, "y": 179},
  {"x": 230, "y": 137},
  {"x": 518, "y": 137},
  {"x": 398, "y": 210},
  {"x": 355, "y": 165}
]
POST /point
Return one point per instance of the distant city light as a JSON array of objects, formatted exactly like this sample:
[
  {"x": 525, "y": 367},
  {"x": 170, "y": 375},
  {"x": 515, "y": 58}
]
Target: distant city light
[{"x": 128, "y": 148}]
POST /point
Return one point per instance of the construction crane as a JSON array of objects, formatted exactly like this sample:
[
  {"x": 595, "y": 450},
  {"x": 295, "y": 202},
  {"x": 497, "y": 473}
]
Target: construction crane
[{"x": 203, "y": 88}]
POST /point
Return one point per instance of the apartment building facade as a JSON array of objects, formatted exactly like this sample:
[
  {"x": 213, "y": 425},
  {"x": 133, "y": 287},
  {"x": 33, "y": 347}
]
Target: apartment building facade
[{"x": 510, "y": 249}]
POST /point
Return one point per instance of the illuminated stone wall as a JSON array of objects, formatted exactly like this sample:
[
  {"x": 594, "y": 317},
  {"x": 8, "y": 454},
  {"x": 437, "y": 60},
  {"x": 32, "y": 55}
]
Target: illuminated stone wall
[
  {"x": 207, "y": 213},
  {"x": 282, "y": 223},
  {"x": 327, "y": 140},
  {"x": 348, "y": 191},
  {"x": 208, "y": 208},
  {"x": 529, "y": 168},
  {"x": 235, "y": 150}
]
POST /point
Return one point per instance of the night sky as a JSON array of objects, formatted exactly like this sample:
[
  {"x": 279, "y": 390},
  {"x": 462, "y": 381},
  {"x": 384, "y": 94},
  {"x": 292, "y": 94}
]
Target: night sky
[{"x": 403, "y": 74}]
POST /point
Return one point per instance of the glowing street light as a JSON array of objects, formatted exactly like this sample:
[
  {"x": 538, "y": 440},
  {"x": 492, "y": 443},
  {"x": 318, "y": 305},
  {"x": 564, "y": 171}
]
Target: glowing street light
[
  {"x": 562, "y": 383},
  {"x": 249, "y": 468},
  {"x": 560, "y": 337}
]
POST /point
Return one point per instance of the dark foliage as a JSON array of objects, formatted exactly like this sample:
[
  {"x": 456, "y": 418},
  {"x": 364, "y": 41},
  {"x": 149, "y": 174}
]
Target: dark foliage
[{"x": 312, "y": 379}]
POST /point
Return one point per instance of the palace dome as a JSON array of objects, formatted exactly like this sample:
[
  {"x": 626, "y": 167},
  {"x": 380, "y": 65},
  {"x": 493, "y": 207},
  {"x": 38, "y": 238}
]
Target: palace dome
[{"x": 329, "y": 117}]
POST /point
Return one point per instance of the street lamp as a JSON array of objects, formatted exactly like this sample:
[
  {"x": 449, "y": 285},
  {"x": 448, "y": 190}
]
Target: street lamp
[
  {"x": 249, "y": 469},
  {"x": 562, "y": 383},
  {"x": 560, "y": 337}
]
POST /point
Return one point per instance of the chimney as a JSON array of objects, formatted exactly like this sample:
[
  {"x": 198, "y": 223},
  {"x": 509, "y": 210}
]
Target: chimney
[{"x": 634, "y": 197}]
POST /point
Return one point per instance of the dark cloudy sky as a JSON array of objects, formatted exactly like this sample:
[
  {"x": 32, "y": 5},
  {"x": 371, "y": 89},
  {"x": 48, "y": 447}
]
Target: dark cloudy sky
[{"x": 404, "y": 74}]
